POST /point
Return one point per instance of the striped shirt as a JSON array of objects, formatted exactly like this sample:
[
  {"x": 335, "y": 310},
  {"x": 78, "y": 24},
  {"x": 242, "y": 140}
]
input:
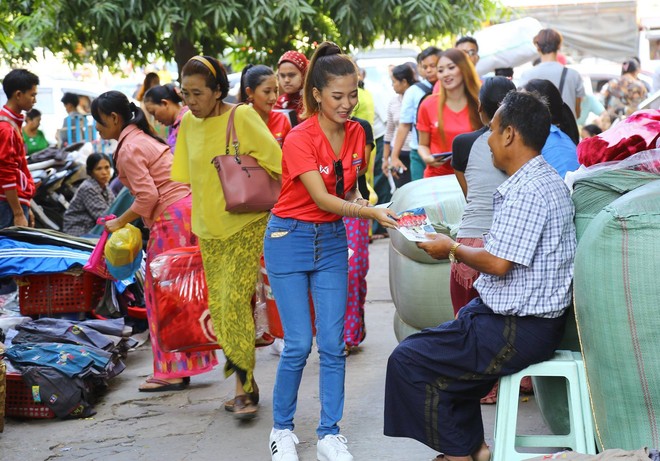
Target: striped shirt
[{"x": 533, "y": 228}]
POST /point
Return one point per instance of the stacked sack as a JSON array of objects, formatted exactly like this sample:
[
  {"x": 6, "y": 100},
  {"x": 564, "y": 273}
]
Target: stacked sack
[
  {"x": 616, "y": 295},
  {"x": 419, "y": 284}
]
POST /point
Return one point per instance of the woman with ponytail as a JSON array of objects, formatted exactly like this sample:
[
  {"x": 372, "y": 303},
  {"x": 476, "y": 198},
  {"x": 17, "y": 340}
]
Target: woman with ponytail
[
  {"x": 143, "y": 162},
  {"x": 163, "y": 102},
  {"x": 306, "y": 251},
  {"x": 259, "y": 89},
  {"x": 448, "y": 113},
  {"x": 230, "y": 243}
]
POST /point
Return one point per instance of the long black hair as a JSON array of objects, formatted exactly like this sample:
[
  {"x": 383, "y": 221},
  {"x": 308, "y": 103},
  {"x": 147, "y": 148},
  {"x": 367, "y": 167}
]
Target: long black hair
[
  {"x": 492, "y": 92},
  {"x": 327, "y": 62},
  {"x": 156, "y": 94},
  {"x": 251, "y": 77},
  {"x": 562, "y": 115},
  {"x": 116, "y": 101}
]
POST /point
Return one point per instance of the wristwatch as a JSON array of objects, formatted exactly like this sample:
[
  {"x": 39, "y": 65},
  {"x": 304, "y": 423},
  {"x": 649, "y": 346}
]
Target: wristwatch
[{"x": 452, "y": 252}]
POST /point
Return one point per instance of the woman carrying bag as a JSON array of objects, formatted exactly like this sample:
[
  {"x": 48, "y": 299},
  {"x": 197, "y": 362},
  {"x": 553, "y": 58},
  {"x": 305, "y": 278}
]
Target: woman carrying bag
[
  {"x": 230, "y": 243},
  {"x": 143, "y": 162}
]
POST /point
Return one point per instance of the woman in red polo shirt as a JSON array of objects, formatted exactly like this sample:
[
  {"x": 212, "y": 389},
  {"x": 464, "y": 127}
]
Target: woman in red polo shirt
[
  {"x": 259, "y": 89},
  {"x": 453, "y": 111},
  {"x": 305, "y": 247}
]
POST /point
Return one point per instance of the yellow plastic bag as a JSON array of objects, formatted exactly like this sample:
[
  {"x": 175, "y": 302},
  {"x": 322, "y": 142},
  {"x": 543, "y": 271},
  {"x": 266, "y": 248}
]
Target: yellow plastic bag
[{"x": 123, "y": 246}]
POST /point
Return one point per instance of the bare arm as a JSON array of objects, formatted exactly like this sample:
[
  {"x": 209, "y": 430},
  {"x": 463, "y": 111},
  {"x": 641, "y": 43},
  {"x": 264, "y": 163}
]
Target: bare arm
[
  {"x": 424, "y": 149},
  {"x": 314, "y": 184},
  {"x": 17, "y": 210},
  {"x": 117, "y": 223},
  {"x": 578, "y": 109},
  {"x": 399, "y": 139},
  {"x": 385, "y": 165},
  {"x": 477, "y": 258},
  {"x": 460, "y": 176}
]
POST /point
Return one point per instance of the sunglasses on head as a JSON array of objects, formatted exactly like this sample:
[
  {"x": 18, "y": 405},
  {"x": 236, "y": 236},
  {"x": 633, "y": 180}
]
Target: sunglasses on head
[{"x": 339, "y": 178}]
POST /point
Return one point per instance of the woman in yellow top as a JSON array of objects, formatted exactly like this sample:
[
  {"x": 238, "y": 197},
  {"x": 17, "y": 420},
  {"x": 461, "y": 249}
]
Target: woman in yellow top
[{"x": 231, "y": 243}]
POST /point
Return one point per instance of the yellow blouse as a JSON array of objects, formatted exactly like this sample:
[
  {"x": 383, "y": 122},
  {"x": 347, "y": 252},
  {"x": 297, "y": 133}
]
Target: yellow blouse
[{"x": 200, "y": 140}]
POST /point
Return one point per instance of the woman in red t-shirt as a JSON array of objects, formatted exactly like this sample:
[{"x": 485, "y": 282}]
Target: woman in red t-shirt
[
  {"x": 305, "y": 246},
  {"x": 452, "y": 111},
  {"x": 259, "y": 89}
]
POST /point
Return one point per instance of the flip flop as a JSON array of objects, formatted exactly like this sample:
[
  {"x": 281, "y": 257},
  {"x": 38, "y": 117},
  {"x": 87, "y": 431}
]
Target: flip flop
[
  {"x": 244, "y": 408},
  {"x": 254, "y": 396},
  {"x": 163, "y": 386}
]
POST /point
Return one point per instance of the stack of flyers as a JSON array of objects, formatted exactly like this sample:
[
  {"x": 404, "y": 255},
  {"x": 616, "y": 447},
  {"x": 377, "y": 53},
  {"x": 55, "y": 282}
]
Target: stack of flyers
[{"x": 414, "y": 224}]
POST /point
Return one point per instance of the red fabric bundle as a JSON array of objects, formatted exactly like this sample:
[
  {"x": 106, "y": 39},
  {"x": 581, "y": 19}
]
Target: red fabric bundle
[{"x": 637, "y": 133}]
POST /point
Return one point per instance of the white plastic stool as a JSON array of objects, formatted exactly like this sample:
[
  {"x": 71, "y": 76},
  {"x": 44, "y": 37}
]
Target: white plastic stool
[{"x": 581, "y": 439}]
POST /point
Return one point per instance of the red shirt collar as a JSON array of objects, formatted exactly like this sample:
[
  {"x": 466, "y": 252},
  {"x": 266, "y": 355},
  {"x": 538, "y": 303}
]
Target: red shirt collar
[{"x": 17, "y": 117}]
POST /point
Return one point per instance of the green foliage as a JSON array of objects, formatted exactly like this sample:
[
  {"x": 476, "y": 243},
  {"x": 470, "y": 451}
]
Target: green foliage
[{"x": 105, "y": 31}]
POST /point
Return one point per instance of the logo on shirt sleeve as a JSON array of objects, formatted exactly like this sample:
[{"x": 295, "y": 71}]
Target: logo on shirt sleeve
[{"x": 324, "y": 169}]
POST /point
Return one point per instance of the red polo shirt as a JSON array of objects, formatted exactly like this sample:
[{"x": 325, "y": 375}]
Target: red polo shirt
[{"x": 307, "y": 149}]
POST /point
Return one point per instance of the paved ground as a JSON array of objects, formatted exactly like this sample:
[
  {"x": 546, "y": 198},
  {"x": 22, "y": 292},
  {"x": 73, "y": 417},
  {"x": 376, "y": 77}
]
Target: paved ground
[{"x": 192, "y": 425}]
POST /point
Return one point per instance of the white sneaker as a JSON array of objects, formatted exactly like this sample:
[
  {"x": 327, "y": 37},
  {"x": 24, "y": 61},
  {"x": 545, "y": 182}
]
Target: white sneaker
[
  {"x": 333, "y": 448},
  {"x": 283, "y": 445}
]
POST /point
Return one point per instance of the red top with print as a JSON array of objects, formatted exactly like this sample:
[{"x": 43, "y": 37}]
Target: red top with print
[
  {"x": 307, "y": 149},
  {"x": 279, "y": 126}
]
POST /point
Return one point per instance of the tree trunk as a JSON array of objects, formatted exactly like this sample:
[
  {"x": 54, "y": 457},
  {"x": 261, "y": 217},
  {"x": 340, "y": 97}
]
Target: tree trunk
[{"x": 184, "y": 49}]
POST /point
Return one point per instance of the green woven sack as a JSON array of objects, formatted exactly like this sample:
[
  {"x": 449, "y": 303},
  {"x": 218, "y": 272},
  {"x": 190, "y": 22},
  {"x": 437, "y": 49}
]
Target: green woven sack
[
  {"x": 593, "y": 193},
  {"x": 616, "y": 303}
]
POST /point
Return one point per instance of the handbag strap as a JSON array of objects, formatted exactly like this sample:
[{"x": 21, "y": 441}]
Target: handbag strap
[
  {"x": 562, "y": 80},
  {"x": 231, "y": 136}
]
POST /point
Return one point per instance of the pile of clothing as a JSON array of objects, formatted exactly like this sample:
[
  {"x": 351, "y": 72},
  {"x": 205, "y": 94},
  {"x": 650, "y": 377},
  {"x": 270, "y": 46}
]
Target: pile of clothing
[
  {"x": 26, "y": 251},
  {"x": 65, "y": 362}
]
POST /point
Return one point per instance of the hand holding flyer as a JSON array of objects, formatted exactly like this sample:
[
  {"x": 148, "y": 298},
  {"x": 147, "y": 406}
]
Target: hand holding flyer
[{"x": 414, "y": 224}]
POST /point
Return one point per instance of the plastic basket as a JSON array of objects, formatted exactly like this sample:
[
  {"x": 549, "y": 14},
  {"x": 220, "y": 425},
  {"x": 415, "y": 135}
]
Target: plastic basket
[
  {"x": 19, "y": 402},
  {"x": 59, "y": 293}
]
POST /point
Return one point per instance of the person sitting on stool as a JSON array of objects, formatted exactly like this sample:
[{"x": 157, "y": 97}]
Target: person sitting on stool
[{"x": 435, "y": 378}]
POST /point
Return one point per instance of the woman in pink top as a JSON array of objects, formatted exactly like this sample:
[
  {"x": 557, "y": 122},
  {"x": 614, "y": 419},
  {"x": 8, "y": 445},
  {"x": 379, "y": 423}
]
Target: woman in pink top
[
  {"x": 143, "y": 162},
  {"x": 448, "y": 113}
]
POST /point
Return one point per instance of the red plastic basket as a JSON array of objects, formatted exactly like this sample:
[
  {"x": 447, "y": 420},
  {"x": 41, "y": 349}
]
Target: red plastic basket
[
  {"x": 19, "y": 402},
  {"x": 59, "y": 293}
]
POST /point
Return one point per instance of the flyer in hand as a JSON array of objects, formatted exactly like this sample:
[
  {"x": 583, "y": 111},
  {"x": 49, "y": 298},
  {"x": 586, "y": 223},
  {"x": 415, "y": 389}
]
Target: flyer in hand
[{"x": 414, "y": 224}]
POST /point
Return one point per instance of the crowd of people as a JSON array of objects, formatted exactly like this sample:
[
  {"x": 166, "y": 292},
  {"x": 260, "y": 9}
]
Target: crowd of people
[{"x": 310, "y": 123}]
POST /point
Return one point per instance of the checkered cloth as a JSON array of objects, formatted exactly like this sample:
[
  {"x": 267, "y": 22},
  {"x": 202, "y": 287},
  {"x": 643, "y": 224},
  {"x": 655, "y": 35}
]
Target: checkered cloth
[{"x": 533, "y": 228}]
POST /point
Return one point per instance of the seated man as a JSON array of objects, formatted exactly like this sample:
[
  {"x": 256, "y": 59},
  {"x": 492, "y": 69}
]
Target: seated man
[{"x": 435, "y": 378}]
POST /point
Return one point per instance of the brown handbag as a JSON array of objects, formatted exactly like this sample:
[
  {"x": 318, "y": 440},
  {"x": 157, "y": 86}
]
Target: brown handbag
[{"x": 246, "y": 185}]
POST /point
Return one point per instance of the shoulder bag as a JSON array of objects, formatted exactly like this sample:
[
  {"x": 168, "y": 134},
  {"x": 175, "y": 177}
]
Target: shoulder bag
[{"x": 246, "y": 185}]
